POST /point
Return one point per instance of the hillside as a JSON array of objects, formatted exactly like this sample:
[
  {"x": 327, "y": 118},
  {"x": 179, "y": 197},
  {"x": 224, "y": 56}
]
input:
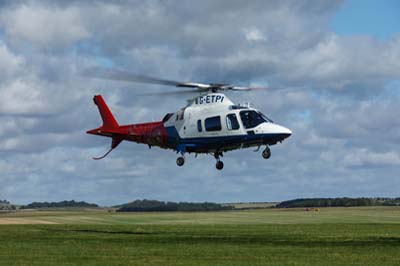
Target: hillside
[
  {"x": 60, "y": 204},
  {"x": 338, "y": 202}
]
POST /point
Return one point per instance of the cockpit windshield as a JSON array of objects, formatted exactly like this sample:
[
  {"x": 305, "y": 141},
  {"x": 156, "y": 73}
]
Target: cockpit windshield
[
  {"x": 266, "y": 117},
  {"x": 251, "y": 118}
]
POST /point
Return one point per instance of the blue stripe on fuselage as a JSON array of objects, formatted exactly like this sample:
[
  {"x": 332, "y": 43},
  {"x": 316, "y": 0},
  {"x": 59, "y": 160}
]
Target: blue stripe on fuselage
[{"x": 219, "y": 142}]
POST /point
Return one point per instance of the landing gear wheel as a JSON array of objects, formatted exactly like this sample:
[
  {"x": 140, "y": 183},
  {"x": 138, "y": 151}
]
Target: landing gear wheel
[
  {"x": 266, "y": 153},
  {"x": 219, "y": 165},
  {"x": 180, "y": 161}
]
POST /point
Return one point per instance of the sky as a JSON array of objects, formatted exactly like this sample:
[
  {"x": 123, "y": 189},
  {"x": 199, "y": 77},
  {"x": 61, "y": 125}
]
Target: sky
[{"x": 336, "y": 64}]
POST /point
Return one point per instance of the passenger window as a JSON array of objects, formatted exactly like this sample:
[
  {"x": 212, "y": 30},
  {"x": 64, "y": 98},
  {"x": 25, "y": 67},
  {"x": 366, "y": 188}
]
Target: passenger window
[
  {"x": 181, "y": 114},
  {"x": 232, "y": 122},
  {"x": 199, "y": 125},
  {"x": 213, "y": 123}
]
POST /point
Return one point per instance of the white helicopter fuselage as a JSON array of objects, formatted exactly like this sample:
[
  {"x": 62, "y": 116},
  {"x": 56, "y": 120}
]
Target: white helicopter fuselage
[{"x": 212, "y": 123}]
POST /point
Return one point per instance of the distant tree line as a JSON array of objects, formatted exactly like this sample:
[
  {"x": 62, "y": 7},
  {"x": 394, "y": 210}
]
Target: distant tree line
[
  {"x": 4, "y": 202},
  {"x": 6, "y": 206},
  {"x": 154, "y": 205},
  {"x": 338, "y": 202},
  {"x": 60, "y": 204}
]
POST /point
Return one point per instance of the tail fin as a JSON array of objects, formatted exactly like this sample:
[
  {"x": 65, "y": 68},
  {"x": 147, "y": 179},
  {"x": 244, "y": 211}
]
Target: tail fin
[
  {"x": 110, "y": 125},
  {"x": 108, "y": 118}
]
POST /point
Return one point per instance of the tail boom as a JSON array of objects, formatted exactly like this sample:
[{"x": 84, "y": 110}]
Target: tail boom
[{"x": 153, "y": 133}]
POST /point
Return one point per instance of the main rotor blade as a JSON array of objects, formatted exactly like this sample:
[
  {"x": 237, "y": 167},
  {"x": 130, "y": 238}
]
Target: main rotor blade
[
  {"x": 190, "y": 92},
  {"x": 240, "y": 88},
  {"x": 122, "y": 75}
]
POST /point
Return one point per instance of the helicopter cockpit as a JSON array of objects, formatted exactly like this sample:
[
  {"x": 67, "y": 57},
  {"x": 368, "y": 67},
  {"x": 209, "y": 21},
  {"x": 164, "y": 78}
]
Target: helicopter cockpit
[{"x": 252, "y": 118}]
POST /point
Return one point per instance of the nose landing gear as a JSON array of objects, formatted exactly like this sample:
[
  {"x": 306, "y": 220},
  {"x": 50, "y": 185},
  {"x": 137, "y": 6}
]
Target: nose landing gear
[
  {"x": 180, "y": 161},
  {"x": 266, "y": 154}
]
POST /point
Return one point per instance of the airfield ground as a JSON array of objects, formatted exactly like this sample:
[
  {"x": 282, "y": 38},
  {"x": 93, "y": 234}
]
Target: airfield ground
[{"x": 330, "y": 236}]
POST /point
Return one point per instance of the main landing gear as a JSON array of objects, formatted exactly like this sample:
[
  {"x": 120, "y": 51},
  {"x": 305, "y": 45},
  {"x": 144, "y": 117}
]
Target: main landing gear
[
  {"x": 266, "y": 153},
  {"x": 180, "y": 161},
  {"x": 219, "y": 165}
]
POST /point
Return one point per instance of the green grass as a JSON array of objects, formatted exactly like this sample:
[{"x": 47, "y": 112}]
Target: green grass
[
  {"x": 332, "y": 236},
  {"x": 264, "y": 216}
]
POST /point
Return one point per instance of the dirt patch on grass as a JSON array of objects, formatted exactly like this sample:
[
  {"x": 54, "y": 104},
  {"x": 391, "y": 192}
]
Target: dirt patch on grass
[{"x": 23, "y": 221}]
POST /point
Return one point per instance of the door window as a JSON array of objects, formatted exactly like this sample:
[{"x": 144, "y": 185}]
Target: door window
[
  {"x": 232, "y": 122},
  {"x": 213, "y": 123}
]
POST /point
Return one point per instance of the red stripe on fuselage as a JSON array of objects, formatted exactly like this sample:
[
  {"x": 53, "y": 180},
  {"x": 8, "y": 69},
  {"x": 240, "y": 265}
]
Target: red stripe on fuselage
[
  {"x": 149, "y": 133},
  {"x": 153, "y": 133}
]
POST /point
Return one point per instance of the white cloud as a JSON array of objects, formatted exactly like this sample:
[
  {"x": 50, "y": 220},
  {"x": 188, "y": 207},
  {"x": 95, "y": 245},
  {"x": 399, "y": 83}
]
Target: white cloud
[
  {"x": 339, "y": 61},
  {"x": 10, "y": 63},
  {"x": 253, "y": 34},
  {"x": 364, "y": 157},
  {"x": 21, "y": 97},
  {"x": 45, "y": 26}
]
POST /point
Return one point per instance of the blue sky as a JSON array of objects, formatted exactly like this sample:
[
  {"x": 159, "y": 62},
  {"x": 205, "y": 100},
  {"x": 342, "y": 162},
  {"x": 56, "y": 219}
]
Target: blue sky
[
  {"x": 338, "y": 60},
  {"x": 380, "y": 19}
]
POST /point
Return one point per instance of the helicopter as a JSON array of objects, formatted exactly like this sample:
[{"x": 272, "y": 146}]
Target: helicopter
[{"x": 210, "y": 123}]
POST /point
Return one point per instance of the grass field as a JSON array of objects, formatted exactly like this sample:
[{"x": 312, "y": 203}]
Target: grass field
[{"x": 332, "y": 236}]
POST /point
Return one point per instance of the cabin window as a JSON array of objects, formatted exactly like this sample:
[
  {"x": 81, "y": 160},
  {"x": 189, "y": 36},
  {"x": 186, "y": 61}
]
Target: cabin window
[
  {"x": 167, "y": 116},
  {"x": 180, "y": 115},
  {"x": 213, "y": 123},
  {"x": 199, "y": 128},
  {"x": 232, "y": 122}
]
